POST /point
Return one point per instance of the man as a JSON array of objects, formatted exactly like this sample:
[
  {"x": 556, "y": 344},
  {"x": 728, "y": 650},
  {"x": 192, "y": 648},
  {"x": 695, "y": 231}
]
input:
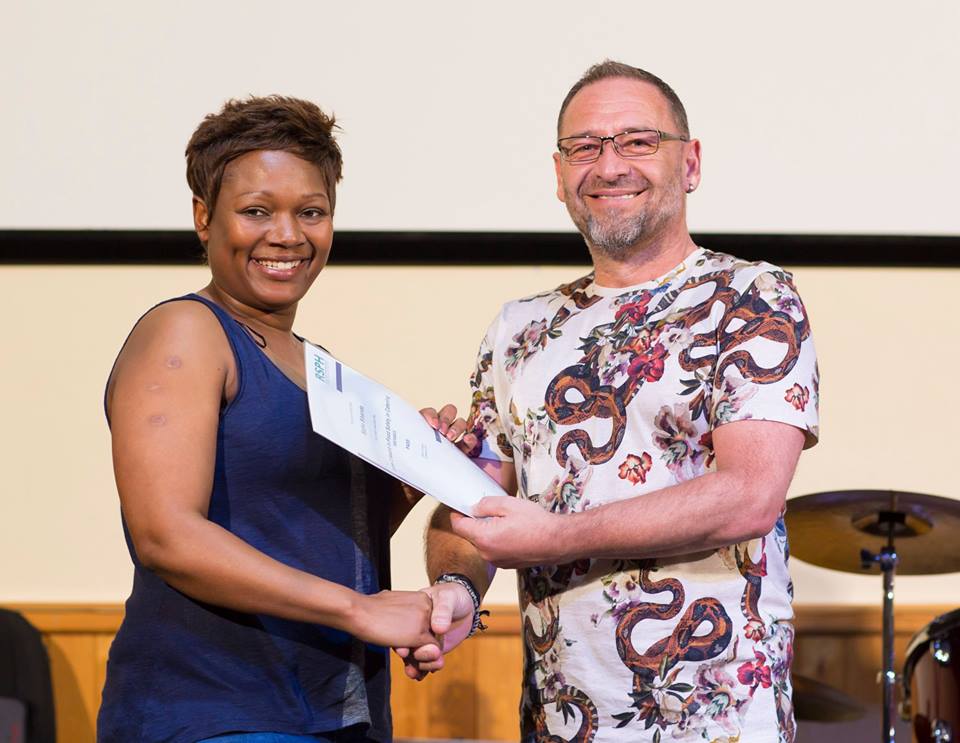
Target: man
[{"x": 649, "y": 417}]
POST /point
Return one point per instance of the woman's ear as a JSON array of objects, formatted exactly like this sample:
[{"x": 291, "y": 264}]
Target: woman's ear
[{"x": 201, "y": 220}]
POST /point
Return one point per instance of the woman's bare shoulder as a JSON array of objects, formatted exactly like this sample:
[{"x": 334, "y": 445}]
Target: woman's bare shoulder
[
  {"x": 179, "y": 323},
  {"x": 183, "y": 335}
]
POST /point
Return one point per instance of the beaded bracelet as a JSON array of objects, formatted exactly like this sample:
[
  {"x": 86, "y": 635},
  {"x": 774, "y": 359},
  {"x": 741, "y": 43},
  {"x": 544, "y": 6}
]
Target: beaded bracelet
[{"x": 464, "y": 581}]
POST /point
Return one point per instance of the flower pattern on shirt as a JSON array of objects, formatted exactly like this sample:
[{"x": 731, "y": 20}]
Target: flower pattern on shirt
[
  {"x": 635, "y": 468},
  {"x": 599, "y": 394},
  {"x": 797, "y": 396}
]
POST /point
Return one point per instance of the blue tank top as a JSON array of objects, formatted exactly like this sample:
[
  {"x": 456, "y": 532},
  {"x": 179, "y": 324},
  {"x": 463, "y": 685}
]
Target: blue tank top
[{"x": 180, "y": 670}]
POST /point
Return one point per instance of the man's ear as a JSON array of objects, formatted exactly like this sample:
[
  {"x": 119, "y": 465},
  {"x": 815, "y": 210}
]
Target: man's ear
[
  {"x": 691, "y": 165},
  {"x": 201, "y": 220},
  {"x": 561, "y": 194}
]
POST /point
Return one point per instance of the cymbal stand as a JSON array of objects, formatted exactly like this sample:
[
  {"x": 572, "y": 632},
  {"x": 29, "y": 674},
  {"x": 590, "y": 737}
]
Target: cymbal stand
[{"x": 887, "y": 559}]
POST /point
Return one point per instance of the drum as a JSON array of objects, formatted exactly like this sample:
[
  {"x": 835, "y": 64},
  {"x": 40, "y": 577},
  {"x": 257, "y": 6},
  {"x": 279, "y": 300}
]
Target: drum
[{"x": 931, "y": 681}]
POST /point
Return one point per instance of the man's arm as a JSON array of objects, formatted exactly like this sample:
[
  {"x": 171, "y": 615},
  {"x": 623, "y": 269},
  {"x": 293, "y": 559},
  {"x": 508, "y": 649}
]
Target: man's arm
[
  {"x": 447, "y": 552},
  {"x": 739, "y": 501}
]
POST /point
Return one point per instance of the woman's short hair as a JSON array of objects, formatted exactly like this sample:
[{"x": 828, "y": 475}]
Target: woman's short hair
[{"x": 273, "y": 122}]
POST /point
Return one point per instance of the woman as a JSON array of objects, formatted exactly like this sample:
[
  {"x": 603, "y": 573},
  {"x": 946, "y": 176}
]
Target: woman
[{"x": 259, "y": 548}]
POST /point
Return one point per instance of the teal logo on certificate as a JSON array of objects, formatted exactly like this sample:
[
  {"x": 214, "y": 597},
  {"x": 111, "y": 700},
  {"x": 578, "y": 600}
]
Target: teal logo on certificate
[{"x": 320, "y": 369}]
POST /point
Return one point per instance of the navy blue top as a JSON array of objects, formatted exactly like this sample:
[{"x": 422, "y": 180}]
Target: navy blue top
[{"x": 182, "y": 670}]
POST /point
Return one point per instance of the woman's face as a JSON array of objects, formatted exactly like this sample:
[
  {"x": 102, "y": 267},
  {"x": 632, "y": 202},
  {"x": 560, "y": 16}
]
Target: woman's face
[{"x": 271, "y": 231}]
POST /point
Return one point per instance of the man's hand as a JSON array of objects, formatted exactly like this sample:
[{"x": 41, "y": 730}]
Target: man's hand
[
  {"x": 512, "y": 532},
  {"x": 450, "y": 622}
]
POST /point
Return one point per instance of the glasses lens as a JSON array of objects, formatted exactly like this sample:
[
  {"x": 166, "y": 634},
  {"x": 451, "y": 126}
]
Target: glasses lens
[
  {"x": 637, "y": 144},
  {"x": 580, "y": 149}
]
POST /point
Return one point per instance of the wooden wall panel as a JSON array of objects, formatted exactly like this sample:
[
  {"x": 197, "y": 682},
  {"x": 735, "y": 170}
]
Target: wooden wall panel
[
  {"x": 476, "y": 695},
  {"x": 841, "y": 646},
  {"x": 74, "y": 665},
  {"x": 499, "y": 668},
  {"x": 77, "y": 638},
  {"x": 441, "y": 705}
]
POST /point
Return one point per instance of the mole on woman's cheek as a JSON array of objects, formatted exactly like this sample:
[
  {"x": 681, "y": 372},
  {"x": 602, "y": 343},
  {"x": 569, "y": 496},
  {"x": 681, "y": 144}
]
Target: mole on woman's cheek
[
  {"x": 174, "y": 362},
  {"x": 158, "y": 420}
]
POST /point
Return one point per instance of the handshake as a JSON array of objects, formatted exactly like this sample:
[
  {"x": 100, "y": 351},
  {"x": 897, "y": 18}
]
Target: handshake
[
  {"x": 442, "y": 615},
  {"x": 507, "y": 532},
  {"x": 419, "y": 625}
]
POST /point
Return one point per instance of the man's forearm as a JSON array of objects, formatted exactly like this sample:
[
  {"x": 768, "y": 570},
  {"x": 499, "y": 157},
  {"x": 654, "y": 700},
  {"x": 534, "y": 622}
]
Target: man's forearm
[
  {"x": 450, "y": 553},
  {"x": 736, "y": 503},
  {"x": 741, "y": 500},
  {"x": 701, "y": 514}
]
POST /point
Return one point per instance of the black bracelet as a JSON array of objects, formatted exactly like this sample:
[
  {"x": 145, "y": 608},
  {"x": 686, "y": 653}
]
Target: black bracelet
[{"x": 464, "y": 581}]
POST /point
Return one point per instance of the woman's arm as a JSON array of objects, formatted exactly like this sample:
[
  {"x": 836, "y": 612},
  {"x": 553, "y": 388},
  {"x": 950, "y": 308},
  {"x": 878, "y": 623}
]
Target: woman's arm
[{"x": 164, "y": 402}]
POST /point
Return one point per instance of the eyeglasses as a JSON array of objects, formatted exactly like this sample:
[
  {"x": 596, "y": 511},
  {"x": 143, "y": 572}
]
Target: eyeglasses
[{"x": 637, "y": 143}]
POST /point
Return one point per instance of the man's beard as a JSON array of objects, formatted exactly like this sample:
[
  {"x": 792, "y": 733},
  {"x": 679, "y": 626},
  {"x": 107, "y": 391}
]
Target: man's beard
[
  {"x": 617, "y": 236},
  {"x": 613, "y": 238}
]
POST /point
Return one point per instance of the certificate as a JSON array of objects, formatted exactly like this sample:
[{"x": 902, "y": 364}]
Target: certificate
[{"x": 369, "y": 420}]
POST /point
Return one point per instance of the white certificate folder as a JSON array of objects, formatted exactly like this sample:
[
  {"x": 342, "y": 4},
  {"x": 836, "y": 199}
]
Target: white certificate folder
[{"x": 369, "y": 420}]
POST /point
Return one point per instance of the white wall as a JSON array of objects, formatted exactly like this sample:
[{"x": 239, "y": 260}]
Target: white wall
[
  {"x": 819, "y": 116},
  {"x": 815, "y": 116},
  {"x": 886, "y": 340}
]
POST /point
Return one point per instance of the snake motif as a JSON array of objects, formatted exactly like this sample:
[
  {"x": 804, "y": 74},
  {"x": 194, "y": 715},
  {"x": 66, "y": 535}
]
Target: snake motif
[
  {"x": 599, "y": 401},
  {"x": 541, "y": 643},
  {"x": 575, "y": 291},
  {"x": 606, "y": 401},
  {"x": 785, "y": 717},
  {"x": 682, "y": 644},
  {"x": 568, "y": 699},
  {"x": 753, "y": 573},
  {"x": 758, "y": 322},
  {"x": 542, "y": 588}
]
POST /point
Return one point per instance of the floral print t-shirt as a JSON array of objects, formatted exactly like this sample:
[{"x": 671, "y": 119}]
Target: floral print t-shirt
[{"x": 598, "y": 394}]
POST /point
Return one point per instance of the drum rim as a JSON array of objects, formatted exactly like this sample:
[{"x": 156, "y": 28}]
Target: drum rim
[{"x": 933, "y": 629}]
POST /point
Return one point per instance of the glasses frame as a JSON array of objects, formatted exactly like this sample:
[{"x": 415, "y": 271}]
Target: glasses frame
[{"x": 612, "y": 139}]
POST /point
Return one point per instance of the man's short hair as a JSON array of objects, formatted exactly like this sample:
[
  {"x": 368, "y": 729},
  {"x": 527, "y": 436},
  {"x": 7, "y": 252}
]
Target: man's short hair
[
  {"x": 608, "y": 68},
  {"x": 272, "y": 122}
]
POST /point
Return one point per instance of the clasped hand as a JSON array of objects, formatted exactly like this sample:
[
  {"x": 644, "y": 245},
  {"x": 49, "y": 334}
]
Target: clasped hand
[
  {"x": 450, "y": 623},
  {"x": 508, "y": 532}
]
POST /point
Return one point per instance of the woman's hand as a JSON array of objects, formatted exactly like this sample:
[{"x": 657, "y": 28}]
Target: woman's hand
[
  {"x": 393, "y": 618},
  {"x": 451, "y": 623},
  {"x": 452, "y": 427}
]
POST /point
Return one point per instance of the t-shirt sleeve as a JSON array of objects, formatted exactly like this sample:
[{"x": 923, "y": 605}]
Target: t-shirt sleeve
[
  {"x": 484, "y": 420},
  {"x": 766, "y": 366}
]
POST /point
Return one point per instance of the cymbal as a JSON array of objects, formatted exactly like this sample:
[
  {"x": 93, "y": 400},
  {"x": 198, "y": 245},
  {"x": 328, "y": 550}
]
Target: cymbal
[
  {"x": 818, "y": 702},
  {"x": 830, "y": 529}
]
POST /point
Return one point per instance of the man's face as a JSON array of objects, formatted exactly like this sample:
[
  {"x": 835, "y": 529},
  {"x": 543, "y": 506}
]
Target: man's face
[{"x": 616, "y": 202}]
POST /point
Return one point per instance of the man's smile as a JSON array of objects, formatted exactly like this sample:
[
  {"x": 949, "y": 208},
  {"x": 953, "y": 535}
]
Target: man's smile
[
  {"x": 619, "y": 196},
  {"x": 613, "y": 190}
]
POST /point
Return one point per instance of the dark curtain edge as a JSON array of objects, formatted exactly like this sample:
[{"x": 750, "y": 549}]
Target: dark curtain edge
[{"x": 383, "y": 248}]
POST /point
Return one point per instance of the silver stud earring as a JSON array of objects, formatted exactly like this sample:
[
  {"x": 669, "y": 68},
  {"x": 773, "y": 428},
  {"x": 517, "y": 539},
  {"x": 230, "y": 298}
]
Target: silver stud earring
[{"x": 690, "y": 188}]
